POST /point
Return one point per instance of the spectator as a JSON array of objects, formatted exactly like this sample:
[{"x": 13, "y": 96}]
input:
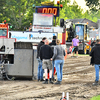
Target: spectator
[
  {"x": 58, "y": 56},
  {"x": 75, "y": 44},
  {"x": 95, "y": 53},
  {"x": 52, "y": 44},
  {"x": 45, "y": 55},
  {"x": 40, "y": 69}
]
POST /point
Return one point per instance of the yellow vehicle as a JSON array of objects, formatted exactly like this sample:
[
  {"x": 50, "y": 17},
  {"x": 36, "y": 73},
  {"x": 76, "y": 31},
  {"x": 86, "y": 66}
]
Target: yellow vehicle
[{"x": 81, "y": 29}]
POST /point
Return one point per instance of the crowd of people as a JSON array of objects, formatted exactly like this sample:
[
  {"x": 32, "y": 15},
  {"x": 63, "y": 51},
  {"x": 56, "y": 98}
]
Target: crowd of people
[{"x": 51, "y": 55}]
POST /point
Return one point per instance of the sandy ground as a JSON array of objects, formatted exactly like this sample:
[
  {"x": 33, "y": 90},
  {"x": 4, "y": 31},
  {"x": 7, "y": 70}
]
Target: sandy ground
[{"x": 78, "y": 76}]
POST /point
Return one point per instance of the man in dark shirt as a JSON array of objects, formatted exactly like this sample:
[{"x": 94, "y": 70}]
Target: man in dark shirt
[
  {"x": 53, "y": 44},
  {"x": 53, "y": 41},
  {"x": 40, "y": 69},
  {"x": 95, "y": 53},
  {"x": 45, "y": 55}
]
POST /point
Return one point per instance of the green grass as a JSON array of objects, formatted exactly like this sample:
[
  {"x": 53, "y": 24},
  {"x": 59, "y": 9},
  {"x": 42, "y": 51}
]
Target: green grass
[
  {"x": 83, "y": 54},
  {"x": 96, "y": 98}
]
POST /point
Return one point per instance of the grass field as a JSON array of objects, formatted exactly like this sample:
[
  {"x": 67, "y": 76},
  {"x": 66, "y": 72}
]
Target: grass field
[{"x": 96, "y": 98}]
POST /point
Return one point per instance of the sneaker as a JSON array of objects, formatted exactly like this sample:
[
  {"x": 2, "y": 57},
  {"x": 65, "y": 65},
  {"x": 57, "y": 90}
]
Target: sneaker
[
  {"x": 45, "y": 82},
  {"x": 76, "y": 56},
  {"x": 42, "y": 80},
  {"x": 58, "y": 83},
  {"x": 53, "y": 79},
  {"x": 72, "y": 56},
  {"x": 50, "y": 82},
  {"x": 95, "y": 83}
]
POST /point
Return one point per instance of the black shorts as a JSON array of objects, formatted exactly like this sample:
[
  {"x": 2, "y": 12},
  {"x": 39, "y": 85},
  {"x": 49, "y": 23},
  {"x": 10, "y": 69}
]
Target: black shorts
[{"x": 75, "y": 48}]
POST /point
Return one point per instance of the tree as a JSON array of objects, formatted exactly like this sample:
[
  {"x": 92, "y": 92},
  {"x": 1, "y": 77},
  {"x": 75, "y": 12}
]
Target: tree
[
  {"x": 17, "y": 10},
  {"x": 2, "y": 10},
  {"x": 93, "y": 4}
]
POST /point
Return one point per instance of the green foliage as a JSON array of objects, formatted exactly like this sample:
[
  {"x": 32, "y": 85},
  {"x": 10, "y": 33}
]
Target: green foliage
[
  {"x": 2, "y": 10},
  {"x": 20, "y": 12},
  {"x": 17, "y": 11},
  {"x": 93, "y": 4},
  {"x": 70, "y": 11}
]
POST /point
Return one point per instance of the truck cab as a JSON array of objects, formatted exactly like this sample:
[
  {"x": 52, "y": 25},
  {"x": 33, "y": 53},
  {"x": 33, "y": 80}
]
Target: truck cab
[
  {"x": 3, "y": 30},
  {"x": 81, "y": 29}
]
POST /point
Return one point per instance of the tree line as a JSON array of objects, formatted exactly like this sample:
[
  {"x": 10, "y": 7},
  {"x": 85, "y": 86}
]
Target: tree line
[{"x": 20, "y": 12}]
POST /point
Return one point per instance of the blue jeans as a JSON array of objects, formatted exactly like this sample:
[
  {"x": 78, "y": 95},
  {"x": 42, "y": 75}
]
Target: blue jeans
[
  {"x": 59, "y": 68},
  {"x": 40, "y": 70},
  {"x": 97, "y": 71},
  {"x": 53, "y": 62}
]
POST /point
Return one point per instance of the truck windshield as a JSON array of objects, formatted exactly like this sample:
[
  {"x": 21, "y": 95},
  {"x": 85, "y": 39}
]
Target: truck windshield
[
  {"x": 79, "y": 29},
  {"x": 3, "y": 32}
]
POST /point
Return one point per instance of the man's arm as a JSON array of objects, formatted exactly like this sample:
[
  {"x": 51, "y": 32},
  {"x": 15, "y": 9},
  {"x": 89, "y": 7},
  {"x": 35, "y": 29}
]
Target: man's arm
[
  {"x": 38, "y": 51},
  {"x": 55, "y": 53},
  {"x": 51, "y": 52},
  {"x": 72, "y": 43},
  {"x": 78, "y": 42},
  {"x": 91, "y": 53},
  {"x": 64, "y": 52},
  {"x": 41, "y": 53}
]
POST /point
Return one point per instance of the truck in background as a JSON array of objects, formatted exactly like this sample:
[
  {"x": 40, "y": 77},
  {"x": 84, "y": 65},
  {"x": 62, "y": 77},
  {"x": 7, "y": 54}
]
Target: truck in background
[{"x": 82, "y": 30}]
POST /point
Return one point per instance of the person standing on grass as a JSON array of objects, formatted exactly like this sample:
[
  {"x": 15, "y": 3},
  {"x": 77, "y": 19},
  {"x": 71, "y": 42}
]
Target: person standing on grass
[
  {"x": 95, "y": 54},
  {"x": 46, "y": 54},
  {"x": 75, "y": 44},
  {"x": 58, "y": 57}
]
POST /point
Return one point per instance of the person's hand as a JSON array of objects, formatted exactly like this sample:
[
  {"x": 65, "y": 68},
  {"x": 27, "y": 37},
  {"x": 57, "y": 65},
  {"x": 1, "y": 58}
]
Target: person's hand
[{"x": 51, "y": 59}]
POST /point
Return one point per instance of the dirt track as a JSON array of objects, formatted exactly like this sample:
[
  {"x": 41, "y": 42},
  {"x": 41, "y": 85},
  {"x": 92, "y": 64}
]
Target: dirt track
[{"x": 78, "y": 77}]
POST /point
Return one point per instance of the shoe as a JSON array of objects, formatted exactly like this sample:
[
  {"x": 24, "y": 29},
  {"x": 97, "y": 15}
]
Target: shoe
[
  {"x": 76, "y": 56},
  {"x": 46, "y": 81},
  {"x": 58, "y": 83},
  {"x": 42, "y": 80},
  {"x": 53, "y": 79},
  {"x": 72, "y": 56},
  {"x": 95, "y": 83},
  {"x": 50, "y": 82},
  {"x": 38, "y": 80}
]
